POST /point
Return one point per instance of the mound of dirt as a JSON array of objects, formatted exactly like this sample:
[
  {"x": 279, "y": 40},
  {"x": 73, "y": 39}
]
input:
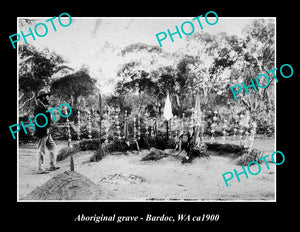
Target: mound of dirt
[
  {"x": 155, "y": 154},
  {"x": 123, "y": 179},
  {"x": 66, "y": 186}
]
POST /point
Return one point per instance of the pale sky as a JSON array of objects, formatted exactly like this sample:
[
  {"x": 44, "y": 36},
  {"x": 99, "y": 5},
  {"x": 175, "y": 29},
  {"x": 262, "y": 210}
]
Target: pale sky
[{"x": 81, "y": 42}]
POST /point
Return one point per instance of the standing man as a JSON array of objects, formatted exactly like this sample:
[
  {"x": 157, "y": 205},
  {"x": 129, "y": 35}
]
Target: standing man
[{"x": 43, "y": 135}]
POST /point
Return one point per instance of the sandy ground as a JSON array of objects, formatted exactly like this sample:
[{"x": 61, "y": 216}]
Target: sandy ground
[{"x": 164, "y": 180}]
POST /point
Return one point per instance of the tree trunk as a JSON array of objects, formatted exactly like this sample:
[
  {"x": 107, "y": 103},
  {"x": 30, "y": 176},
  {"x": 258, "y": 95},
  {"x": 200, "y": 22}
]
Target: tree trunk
[
  {"x": 100, "y": 153},
  {"x": 100, "y": 113},
  {"x": 196, "y": 147}
]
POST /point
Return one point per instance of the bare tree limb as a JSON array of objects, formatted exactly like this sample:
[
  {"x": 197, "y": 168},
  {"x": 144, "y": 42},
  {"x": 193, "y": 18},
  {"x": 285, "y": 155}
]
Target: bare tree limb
[
  {"x": 63, "y": 67},
  {"x": 22, "y": 95},
  {"x": 28, "y": 100}
]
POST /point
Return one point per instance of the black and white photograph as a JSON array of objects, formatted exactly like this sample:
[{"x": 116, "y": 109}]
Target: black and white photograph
[{"x": 147, "y": 109}]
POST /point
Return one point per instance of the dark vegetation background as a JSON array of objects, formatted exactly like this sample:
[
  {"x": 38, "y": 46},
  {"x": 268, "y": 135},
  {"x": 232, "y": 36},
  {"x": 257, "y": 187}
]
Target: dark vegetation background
[{"x": 209, "y": 66}]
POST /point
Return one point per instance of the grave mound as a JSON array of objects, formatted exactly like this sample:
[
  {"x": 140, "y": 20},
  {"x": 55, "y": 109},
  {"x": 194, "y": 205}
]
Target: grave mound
[{"x": 68, "y": 185}]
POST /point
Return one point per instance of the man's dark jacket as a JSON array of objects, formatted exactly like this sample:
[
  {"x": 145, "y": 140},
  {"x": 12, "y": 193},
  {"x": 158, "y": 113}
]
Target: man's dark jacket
[{"x": 41, "y": 131}]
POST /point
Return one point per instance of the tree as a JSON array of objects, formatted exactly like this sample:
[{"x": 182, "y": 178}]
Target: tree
[
  {"x": 70, "y": 87},
  {"x": 139, "y": 75},
  {"x": 213, "y": 56},
  {"x": 207, "y": 66},
  {"x": 36, "y": 69},
  {"x": 260, "y": 44},
  {"x": 138, "y": 47},
  {"x": 258, "y": 57}
]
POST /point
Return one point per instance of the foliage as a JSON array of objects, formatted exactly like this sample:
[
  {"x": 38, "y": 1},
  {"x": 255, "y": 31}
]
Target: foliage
[
  {"x": 258, "y": 57},
  {"x": 36, "y": 70},
  {"x": 70, "y": 87},
  {"x": 209, "y": 65},
  {"x": 140, "y": 47}
]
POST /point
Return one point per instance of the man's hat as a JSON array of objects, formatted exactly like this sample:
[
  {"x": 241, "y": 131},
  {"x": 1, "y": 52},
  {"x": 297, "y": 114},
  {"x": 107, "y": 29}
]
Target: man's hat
[{"x": 43, "y": 92}]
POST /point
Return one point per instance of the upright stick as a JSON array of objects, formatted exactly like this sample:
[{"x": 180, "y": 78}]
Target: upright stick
[
  {"x": 70, "y": 142},
  {"x": 69, "y": 130},
  {"x": 167, "y": 129},
  {"x": 100, "y": 154},
  {"x": 100, "y": 120},
  {"x": 89, "y": 124},
  {"x": 72, "y": 163},
  {"x": 139, "y": 126},
  {"x": 78, "y": 121}
]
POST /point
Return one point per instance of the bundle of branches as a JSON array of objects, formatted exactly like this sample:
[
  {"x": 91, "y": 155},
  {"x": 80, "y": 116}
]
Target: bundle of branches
[
  {"x": 84, "y": 145},
  {"x": 226, "y": 148},
  {"x": 194, "y": 153},
  {"x": 192, "y": 145},
  {"x": 159, "y": 142},
  {"x": 242, "y": 155},
  {"x": 248, "y": 156},
  {"x": 114, "y": 146},
  {"x": 89, "y": 144},
  {"x": 67, "y": 151},
  {"x": 155, "y": 154},
  {"x": 94, "y": 145}
]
